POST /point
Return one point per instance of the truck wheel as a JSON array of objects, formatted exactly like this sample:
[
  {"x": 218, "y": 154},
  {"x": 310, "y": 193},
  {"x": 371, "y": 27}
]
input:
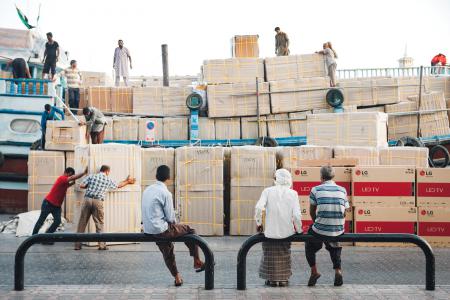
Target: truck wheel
[
  {"x": 440, "y": 163},
  {"x": 266, "y": 142},
  {"x": 409, "y": 141}
]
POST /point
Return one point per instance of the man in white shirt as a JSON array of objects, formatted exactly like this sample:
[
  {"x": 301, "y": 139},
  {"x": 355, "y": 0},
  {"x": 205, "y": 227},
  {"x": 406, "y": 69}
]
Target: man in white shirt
[
  {"x": 283, "y": 219},
  {"x": 159, "y": 220},
  {"x": 120, "y": 63}
]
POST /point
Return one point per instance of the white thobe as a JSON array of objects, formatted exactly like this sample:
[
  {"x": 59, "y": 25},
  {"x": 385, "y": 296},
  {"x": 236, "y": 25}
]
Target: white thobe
[{"x": 121, "y": 61}]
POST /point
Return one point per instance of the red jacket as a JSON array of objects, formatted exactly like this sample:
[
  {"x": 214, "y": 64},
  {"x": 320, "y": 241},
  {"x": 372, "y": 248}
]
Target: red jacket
[{"x": 440, "y": 58}]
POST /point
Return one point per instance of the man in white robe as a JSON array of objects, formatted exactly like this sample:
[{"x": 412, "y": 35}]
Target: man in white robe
[{"x": 120, "y": 64}]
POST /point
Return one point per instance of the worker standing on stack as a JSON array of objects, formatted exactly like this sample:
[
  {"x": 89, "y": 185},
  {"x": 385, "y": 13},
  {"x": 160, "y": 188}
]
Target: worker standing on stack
[
  {"x": 96, "y": 122},
  {"x": 438, "y": 60},
  {"x": 330, "y": 60},
  {"x": 74, "y": 79},
  {"x": 19, "y": 68},
  {"x": 281, "y": 43},
  {"x": 51, "y": 55},
  {"x": 120, "y": 64},
  {"x": 49, "y": 114},
  {"x": 96, "y": 186}
]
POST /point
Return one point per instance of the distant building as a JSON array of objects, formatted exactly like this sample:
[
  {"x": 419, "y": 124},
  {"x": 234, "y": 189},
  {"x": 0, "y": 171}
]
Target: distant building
[{"x": 406, "y": 61}]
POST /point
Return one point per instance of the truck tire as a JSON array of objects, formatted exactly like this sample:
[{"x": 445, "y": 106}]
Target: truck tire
[
  {"x": 442, "y": 163},
  {"x": 409, "y": 141},
  {"x": 266, "y": 141}
]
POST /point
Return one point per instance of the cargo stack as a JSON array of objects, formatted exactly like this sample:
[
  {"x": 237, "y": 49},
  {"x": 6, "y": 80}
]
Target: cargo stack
[
  {"x": 100, "y": 98},
  {"x": 44, "y": 167},
  {"x": 122, "y": 207},
  {"x": 249, "y": 127},
  {"x": 433, "y": 123},
  {"x": 175, "y": 128},
  {"x": 404, "y": 156},
  {"x": 152, "y": 158},
  {"x": 122, "y": 100},
  {"x": 148, "y": 101},
  {"x": 402, "y": 124},
  {"x": 199, "y": 188},
  {"x": 125, "y": 128},
  {"x": 150, "y": 129},
  {"x": 370, "y": 92},
  {"x": 64, "y": 135},
  {"x": 278, "y": 126},
  {"x": 433, "y": 201},
  {"x": 366, "y": 156},
  {"x": 291, "y": 158},
  {"x": 228, "y": 128},
  {"x": 252, "y": 170}
]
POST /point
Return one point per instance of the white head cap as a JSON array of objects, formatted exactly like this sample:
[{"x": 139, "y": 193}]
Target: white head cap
[{"x": 283, "y": 177}]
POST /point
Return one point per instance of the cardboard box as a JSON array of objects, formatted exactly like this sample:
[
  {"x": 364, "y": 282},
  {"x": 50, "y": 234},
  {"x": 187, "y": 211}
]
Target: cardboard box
[
  {"x": 152, "y": 158},
  {"x": 237, "y": 99},
  {"x": 295, "y": 67},
  {"x": 348, "y": 129},
  {"x": 305, "y": 178},
  {"x": 148, "y": 101},
  {"x": 370, "y": 92},
  {"x": 434, "y": 225},
  {"x": 278, "y": 126},
  {"x": 383, "y": 186},
  {"x": 125, "y": 128},
  {"x": 249, "y": 127},
  {"x": 299, "y": 94},
  {"x": 404, "y": 156},
  {"x": 100, "y": 98},
  {"x": 174, "y": 101},
  {"x": 378, "y": 219},
  {"x": 44, "y": 167},
  {"x": 242, "y": 209},
  {"x": 433, "y": 187},
  {"x": 36, "y": 194},
  {"x": 122, "y": 99},
  {"x": 64, "y": 135},
  {"x": 298, "y": 127},
  {"x": 334, "y": 162},
  {"x": 228, "y": 129},
  {"x": 402, "y": 125},
  {"x": 150, "y": 129},
  {"x": 436, "y": 123},
  {"x": 207, "y": 129},
  {"x": 367, "y": 156},
  {"x": 245, "y": 46},
  {"x": 92, "y": 79},
  {"x": 409, "y": 86},
  {"x": 199, "y": 188},
  {"x": 109, "y": 129},
  {"x": 175, "y": 129},
  {"x": 232, "y": 70},
  {"x": 290, "y": 157}
]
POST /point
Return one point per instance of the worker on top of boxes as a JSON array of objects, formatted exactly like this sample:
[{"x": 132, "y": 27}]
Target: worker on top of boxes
[
  {"x": 97, "y": 185},
  {"x": 281, "y": 43},
  {"x": 20, "y": 68},
  {"x": 328, "y": 203},
  {"x": 330, "y": 60},
  {"x": 50, "y": 113},
  {"x": 54, "y": 199},
  {"x": 159, "y": 220},
  {"x": 120, "y": 63},
  {"x": 96, "y": 122},
  {"x": 283, "y": 219}
]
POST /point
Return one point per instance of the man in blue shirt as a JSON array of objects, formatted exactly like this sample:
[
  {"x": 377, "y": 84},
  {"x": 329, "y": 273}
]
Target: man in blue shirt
[
  {"x": 159, "y": 220},
  {"x": 50, "y": 113},
  {"x": 328, "y": 202}
]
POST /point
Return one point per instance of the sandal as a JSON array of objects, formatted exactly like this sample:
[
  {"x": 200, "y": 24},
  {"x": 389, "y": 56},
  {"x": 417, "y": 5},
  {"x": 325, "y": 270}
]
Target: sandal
[
  {"x": 313, "y": 279},
  {"x": 201, "y": 269},
  {"x": 283, "y": 283},
  {"x": 338, "y": 279}
]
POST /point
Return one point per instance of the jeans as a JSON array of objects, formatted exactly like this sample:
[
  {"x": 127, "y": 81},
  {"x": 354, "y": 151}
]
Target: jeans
[
  {"x": 46, "y": 209},
  {"x": 74, "y": 99}
]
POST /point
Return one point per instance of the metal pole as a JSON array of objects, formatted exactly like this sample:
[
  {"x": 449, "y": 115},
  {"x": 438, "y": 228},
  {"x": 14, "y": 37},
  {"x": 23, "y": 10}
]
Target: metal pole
[
  {"x": 420, "y": 100},
  {"x": 257, "y": 107},
  {"x": 165, "y": 64}
]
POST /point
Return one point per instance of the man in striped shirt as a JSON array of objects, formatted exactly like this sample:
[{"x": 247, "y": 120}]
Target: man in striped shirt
[
  {"x": 328, "y": 203},
  {"x": 73, "y": 78}
]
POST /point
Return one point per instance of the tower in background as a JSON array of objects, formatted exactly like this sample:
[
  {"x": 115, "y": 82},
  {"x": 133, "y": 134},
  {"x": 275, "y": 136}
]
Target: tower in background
[{"x": 406, "y": 61}]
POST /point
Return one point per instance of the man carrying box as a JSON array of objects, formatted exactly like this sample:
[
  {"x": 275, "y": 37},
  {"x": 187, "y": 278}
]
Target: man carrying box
[
  {"x": 96, "y": 122},
  {"x": 54, "y": 199},
  {"x": 96, "y": 186},
  {"x": 328, "y": 203}
]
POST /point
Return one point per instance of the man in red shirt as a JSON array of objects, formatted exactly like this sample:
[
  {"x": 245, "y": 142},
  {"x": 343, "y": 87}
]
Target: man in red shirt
[{"x": 54, "y": 199}]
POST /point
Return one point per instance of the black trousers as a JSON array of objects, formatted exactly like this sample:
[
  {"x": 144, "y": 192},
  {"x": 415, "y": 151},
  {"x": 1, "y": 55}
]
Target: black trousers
[
  {"x": 312, "y": 247},
  {"x": 46, "y": 209},
  {"x": 74, "y": 99}
]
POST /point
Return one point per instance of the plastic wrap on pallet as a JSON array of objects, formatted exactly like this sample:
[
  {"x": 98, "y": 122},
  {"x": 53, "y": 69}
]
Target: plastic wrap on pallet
[
  {"x": 348, "y": 129},
  {"x": 311, "y": 94},
  {"x": 199, "y": 188},
  {"x": 237, "y": 99}
]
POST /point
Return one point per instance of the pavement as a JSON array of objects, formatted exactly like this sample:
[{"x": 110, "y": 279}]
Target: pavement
[{"x": 137, "y": 271}]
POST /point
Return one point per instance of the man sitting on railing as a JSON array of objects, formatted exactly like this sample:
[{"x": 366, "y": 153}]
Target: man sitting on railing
[
  {"x": 158, "y": 217},
  {"x": 50, "y": 113},
  {"x": 328, "y": 203}
]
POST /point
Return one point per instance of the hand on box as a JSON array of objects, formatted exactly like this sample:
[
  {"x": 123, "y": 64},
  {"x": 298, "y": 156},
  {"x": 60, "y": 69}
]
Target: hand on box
[{"x": 130, "y": 180}]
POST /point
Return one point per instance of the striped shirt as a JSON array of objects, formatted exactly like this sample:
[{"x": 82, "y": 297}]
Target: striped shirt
[
  {"x": 331, "y": 201},
  {"x": 73, "y": 77}
]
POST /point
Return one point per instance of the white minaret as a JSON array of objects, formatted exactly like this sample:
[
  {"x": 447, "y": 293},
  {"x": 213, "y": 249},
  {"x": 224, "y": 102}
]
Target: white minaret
[{"x": 405, "y": 61}]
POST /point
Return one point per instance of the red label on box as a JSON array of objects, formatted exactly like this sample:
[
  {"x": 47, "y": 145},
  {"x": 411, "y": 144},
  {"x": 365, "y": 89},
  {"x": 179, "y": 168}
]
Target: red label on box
[
  {"x": 346, "y": 185},
  {"x": 307, "y": 223},
  {"x": 303, "y": 188},
  {"x": 383, "y": 189},
  {"x": 433, "y": 189},
  {"x": 434, "y": 228},
  {"x": 384, "y": 227}
]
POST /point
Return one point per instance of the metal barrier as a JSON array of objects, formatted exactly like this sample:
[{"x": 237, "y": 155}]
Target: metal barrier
[
  {"x": 392, "y": 72},
  {"x": 351, "y": 237},
  {"x": 25, "y": 87},
  {"x": 108, "y": 237}
]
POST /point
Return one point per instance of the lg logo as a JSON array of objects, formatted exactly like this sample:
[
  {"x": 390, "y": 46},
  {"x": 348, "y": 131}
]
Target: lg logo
[
  {"x": 364, "y": 212},
  {"x": 426, "y": 212},
  {"x": 426, "y": 173},
  {"x": 363, "y": 173}
]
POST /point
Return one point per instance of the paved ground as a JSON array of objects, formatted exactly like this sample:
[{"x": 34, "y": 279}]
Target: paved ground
[{"x": 139, "y": 270}]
